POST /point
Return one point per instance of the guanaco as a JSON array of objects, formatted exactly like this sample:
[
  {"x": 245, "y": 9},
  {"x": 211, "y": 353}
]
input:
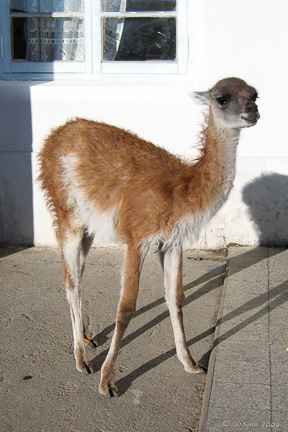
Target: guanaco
[{"x": 105, "y": 183}]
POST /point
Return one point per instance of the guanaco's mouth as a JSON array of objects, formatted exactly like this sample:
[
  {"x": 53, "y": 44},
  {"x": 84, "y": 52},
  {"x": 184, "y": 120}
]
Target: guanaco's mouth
[{"x": 251, "y": 118}]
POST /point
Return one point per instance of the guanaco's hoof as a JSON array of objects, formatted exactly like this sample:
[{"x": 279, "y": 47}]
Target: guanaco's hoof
[
  {"x": 86, "y": 369},
  {"x": 112, "y": 391},
  {"x": 200, "y": 368},
  {"x": 194, "y": 369},
  {"x": 89, "y": 341},
  {"x": 89, "y": 369},
  {"x": 92, "y": 344},
  {"x": 109, "y": 392}
]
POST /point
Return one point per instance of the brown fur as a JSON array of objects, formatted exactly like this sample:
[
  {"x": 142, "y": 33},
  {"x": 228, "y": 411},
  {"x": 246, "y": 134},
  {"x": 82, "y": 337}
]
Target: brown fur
[{"x": 119, "y": 167}]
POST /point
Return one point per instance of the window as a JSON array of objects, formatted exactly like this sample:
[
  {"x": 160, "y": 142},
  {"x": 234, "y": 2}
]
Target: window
[{"x": 93, "y": 37}]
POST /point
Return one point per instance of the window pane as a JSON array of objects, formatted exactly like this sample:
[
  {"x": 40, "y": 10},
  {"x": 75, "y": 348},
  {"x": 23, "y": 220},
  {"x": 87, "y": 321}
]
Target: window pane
[
  {"x": 138, "y": 5},
  {"x": 47, "y": 6},
  {"x": 48, "y": 39},
  {"x": 139, "y": 39}
]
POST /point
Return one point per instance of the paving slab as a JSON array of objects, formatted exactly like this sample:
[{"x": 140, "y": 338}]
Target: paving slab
[
  {"x": 246, "y": 387},
  {"x": 40, "y": 389}
]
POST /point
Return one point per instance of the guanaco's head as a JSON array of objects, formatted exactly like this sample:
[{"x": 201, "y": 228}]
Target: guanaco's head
[{"x": 232, "y": 103}]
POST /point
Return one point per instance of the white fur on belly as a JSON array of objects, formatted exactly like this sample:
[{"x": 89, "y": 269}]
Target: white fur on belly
[{"x": 101, "y": 224}]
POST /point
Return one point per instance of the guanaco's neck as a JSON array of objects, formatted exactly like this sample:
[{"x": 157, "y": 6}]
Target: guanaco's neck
[
  {"x": 219, "y": 149},
  {"x": 209, "y": 181}
]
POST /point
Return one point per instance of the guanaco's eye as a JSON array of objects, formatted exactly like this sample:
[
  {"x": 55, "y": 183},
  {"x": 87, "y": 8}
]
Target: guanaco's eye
[{"x": 223, "y": 100}]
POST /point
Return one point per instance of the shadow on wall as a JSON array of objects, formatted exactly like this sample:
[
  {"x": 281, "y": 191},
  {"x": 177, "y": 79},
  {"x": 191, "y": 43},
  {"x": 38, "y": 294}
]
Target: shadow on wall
[
  {"x": 267, "y": 199},
  {"x": 16, "y": 197}
]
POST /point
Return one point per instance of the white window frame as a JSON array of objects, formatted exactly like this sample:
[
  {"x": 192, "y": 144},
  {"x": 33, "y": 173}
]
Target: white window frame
[
  {"x": 93, "y": 67},
  {"x": 55, "y": 67}
]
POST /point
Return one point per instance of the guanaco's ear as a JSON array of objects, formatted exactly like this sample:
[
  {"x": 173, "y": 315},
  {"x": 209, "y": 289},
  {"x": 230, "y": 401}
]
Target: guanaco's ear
[{"x": 201, "y": 98}]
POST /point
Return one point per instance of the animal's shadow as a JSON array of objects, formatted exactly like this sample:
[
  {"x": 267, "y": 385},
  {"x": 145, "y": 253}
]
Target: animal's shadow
[{"x": 267, "y": 201}]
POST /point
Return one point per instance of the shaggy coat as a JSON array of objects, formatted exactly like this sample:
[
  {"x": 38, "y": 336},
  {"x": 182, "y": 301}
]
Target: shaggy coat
[{"x": 107, "y": 184}]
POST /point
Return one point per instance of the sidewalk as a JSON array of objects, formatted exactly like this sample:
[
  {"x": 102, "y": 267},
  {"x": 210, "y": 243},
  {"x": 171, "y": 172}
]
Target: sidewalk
[{"x": 247, "y": 381}]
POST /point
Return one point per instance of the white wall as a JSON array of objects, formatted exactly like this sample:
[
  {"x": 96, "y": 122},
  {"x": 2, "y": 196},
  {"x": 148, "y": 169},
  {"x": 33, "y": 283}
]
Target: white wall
[
  {"x": 249, "y": 39},
  {"x": 243, "y": 38}
]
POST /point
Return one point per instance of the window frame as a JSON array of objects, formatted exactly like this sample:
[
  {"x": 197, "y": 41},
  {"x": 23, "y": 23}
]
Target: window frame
[
  {"x": 93, "y": 67},
  {"x": 29, "y": 67}
]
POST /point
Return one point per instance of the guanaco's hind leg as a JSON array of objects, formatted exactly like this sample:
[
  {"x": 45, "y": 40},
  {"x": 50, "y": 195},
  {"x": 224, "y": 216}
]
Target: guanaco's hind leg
[
  {"x": 171, "y": 261},
  {"x": 126, "y": 308},
  {"x": 86, "y": 244},
  {"x": 75, "y": 245}
]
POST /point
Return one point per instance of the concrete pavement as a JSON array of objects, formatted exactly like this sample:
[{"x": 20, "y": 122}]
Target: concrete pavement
[
  {"x": 40, "y": 389},
  {"x": 246, "y": 387},
  {"x": 246, "y": 383}
]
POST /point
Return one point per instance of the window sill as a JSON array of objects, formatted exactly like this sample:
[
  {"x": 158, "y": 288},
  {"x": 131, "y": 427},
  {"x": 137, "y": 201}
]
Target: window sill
[{"x": 105, "y": 79}]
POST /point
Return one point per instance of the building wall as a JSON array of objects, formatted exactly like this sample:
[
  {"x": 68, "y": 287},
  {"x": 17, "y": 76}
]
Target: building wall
[{"x": 243, "y": 38}]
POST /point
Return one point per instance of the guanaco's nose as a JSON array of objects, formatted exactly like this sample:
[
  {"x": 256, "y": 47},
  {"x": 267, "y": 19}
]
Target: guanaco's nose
[{"x": 251, "y": 108}]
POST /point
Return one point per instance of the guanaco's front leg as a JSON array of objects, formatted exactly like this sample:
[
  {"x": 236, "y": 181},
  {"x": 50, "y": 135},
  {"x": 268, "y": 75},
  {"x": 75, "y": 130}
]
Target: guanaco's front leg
[
  {"x": 171, "y": 261},
  {"x": 126, "y": 309}
]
